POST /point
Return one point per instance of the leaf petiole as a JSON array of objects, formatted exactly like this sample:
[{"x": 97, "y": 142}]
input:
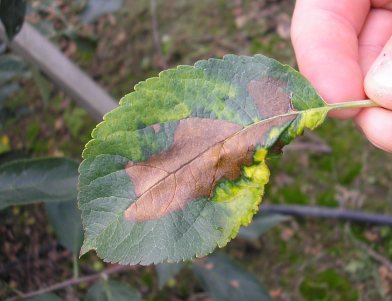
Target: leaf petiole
[{"x": 367, "y": 103}]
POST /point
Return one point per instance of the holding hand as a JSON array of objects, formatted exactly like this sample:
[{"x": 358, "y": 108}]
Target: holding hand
[{"x": 345, "y": 49}]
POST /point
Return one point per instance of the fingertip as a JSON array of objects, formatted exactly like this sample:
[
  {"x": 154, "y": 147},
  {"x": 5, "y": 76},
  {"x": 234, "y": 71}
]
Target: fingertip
[
  {"x": 335, "y": 82},
  {"x": 376, "y": 124},
  {"x": 378, "y": 81},
  {"x": 325, "y": 39}
]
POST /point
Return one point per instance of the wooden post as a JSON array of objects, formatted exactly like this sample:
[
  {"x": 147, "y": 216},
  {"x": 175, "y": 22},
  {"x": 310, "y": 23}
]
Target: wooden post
[{"x": 38, "y": 50}]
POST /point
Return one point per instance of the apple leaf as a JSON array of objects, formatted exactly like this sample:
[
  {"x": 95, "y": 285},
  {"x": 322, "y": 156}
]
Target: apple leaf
[
  {"x": 12, "y": 13},
  {"x": 65, "y": 219},
  {"x": 29, "y": 181},
  {"x": 167, "y": 272},
  {"x": 46, "y": 297},
  {"x": 111, "y": 290},
  {"x": 261, "y": 224},
  {"x": 224, "y": 279},
  {"x": 179, "y": 166},
  {"x": 96, "y": 8}
]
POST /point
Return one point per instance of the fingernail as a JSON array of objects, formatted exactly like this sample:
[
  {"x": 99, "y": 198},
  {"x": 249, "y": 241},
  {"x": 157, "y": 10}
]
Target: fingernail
[
  {"x": 378, "y": 82},
  {"x": 381, "y": 147}
]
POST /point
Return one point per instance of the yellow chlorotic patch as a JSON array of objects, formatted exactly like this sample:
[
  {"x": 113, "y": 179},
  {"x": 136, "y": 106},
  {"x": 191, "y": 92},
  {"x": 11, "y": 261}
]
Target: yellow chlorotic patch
[
  {"x": 260, "y": 155},
  {"x": 313, "y": 118},
  {"x": 242, "y": 197},
  {"x": 309, "y": 119},
  {"x": 273, "y": 135}
]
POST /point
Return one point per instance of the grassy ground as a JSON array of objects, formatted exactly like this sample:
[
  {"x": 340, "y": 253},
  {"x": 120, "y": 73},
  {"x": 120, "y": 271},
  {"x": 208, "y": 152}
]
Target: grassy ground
[{"x": 299, "y": 260}]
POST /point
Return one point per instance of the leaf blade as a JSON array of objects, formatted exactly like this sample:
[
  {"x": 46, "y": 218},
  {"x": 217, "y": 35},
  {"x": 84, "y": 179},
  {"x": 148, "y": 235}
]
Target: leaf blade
[
  {"x": 204, "y": 130},
  {"x": 96, "y": 8},
  {"x": 46, "y": 297},
  {"x": 28, "y": 181},
  {"x": 12, "y": 13},
  {"x": 224, "y": 279},
  {"x": 166, "y": 272},
  {"x": 262, "y": 224},
  {"x": 67, "y": 224},
  {"x": 110, "y": 290}
]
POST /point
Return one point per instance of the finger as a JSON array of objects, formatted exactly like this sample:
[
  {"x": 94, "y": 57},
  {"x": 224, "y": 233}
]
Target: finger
[
  {"x": 374, "y": 36},
  {"x": 382, "y": 4},
  {"x": 378, "y": 81},
  {"x": 376, "y": 56},
  {"x": 376, "y": 123},
  {"x": 324, "y": 36}
]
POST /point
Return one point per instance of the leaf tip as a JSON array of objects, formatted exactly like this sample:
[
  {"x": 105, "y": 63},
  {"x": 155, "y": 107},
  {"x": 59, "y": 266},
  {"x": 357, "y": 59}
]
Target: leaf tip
[{"x": 85, "y": 249}]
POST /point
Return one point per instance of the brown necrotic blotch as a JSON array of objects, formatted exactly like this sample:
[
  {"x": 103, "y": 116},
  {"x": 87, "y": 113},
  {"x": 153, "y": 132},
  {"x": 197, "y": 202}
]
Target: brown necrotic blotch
[
  {"x": 203, "y": 152},
  {"x": 270, "y": 96}
]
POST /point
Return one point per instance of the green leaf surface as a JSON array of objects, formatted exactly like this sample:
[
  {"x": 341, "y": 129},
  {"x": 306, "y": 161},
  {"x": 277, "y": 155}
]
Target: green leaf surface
[
  {"x": 43, "y": 85},
  {"x": 13, "y": 67},
  {"x": 225, "y": 280},
  {"x": 261, "y": 224},
  {"x": 110, "y": 290},
  {"x": 12, "y": 14},
  {"x": 11, "y": 156},
  {"x": 46, "y": 297},
  {"x": 179, "y": 166},
  {"x": 67, "y": 224},
  {"x": 38, "y": 180},
  {"x": 5, "y": 91},
  {"x": 96, "y": 8},
  {"x": 166, "y": 272}
]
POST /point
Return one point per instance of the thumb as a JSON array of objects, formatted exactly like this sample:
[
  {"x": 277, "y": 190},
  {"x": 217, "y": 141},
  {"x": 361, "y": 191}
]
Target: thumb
[{"x": 378, "y": 81}]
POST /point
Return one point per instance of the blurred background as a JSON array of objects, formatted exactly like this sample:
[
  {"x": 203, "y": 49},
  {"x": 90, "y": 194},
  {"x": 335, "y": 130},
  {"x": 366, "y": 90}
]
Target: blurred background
[{"x": 119, "y": 43}]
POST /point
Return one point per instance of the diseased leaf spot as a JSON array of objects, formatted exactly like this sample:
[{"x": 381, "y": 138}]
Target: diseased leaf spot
[
  {"x": 180, "y": 165},
  {"x": 270, "y": 96},
  {"x": 204, "y": 151},
  {"x": 156, "y": 180},
  {"x": 156, "y": 127}
]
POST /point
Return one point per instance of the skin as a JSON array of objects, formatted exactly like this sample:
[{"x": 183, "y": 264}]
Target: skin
[{"x": 344, "y": 48}]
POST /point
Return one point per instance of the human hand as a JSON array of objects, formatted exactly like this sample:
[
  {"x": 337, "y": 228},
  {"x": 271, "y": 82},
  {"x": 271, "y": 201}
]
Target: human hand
[{"x": 345, "y": 48}]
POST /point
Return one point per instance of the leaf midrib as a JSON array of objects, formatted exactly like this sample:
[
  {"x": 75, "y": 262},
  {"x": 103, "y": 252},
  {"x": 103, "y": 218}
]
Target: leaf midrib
[{"x": 223, "y": 141}]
